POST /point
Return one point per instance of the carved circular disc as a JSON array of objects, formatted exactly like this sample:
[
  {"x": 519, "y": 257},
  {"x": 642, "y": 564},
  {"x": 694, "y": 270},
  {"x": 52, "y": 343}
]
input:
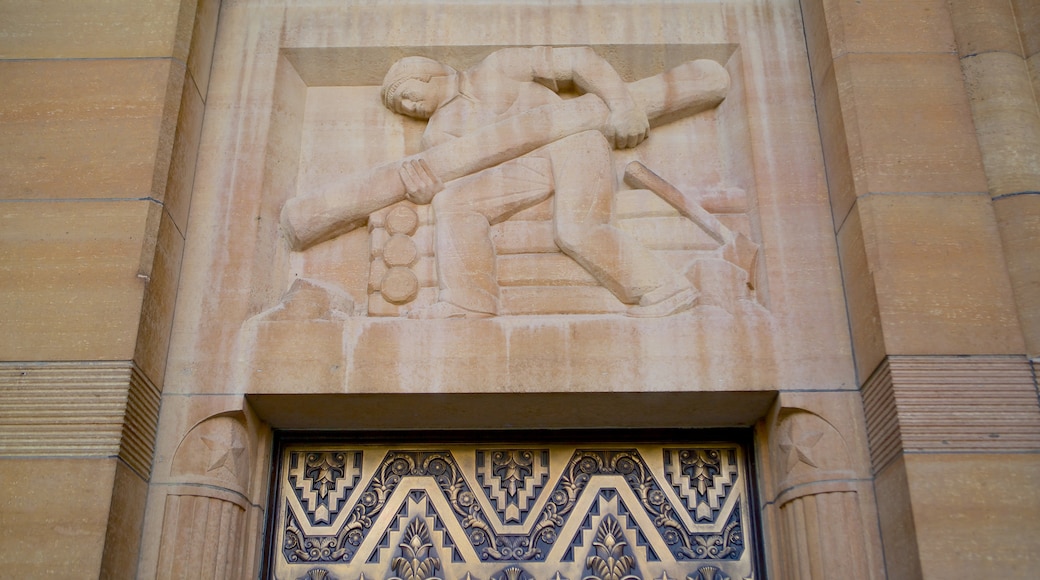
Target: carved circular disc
[
  {"x": 400, "y": 250},
  {"x": 399, "y": 285},
  {"x": 402, "y": 220}
]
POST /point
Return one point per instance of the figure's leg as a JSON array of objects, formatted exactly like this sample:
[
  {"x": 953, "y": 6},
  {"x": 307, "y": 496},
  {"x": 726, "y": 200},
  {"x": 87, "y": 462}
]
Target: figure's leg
[
  {"x": 465, "y": 254},
  {"x": 584, "y": 178}
]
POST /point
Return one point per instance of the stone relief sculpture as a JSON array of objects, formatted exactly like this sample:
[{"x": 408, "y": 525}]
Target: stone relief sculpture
[{"x": 500, "y": 140}]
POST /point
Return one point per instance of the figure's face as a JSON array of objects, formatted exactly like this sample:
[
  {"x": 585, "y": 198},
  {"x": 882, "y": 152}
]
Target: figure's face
[{"x": 416, "y": 98}]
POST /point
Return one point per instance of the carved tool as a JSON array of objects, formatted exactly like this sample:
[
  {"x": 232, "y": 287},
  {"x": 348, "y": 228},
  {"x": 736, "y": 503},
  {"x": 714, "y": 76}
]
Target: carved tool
[
  {"x": 346, "y": 202},
  {"x": 736, "y": 247}
]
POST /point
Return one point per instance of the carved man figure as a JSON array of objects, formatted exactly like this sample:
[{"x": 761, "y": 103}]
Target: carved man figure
[{"x": 577, "y": 170}]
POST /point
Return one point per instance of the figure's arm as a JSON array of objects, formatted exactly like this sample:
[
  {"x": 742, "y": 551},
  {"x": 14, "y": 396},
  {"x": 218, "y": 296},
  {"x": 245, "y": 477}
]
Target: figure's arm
[
  {"x": 592, "y": 74},
  {"x": 420, "y": 183},
  {"x": 435, "y": 135},
  {"x": 560, "y": 68}
]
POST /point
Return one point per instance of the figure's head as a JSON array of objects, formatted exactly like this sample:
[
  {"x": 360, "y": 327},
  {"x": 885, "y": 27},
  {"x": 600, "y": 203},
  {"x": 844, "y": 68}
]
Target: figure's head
[{"x": 411, "y": 86}]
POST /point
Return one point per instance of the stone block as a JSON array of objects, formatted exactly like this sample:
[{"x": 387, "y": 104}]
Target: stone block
[
  {"x": 841, "y": 147},
  {"x": 305, "y": 357},
  {"x": 153, "y": 339},
  {"x": 1019, "y": 220},
  {"x": 54, "y": 513},
  {"x": 976, "y": 515},
  {"x": 168, "y": 122},
  {"x": 985, "y": 26},
  {"x": 94, "y": 29},
  {"x": 823, "y": 35},
  {"x": 1027, "y": 14},
  {"x": 1006, "y": 121},
  {"x": 913, "y": 121},
  {"x": 868, "y": 339},
  {"x": 77, "y": 409},
  {"x": 896, "y": 517},
  {"x": 70, "y": 288},
  {"x": 894, "y": 26},
  {"x": 803, "y": 305},
  {"x": 835, "y": 28},
  {"x": 542, "y": 270},
  {"x": 82, "y": 129},
  {"x": 1033, "y": 66},
  {"x": 183, "y": 28},
  {"x": 203, "y": 40},
  {"x": 951, "y": 404},
  {"x": 939, "y": 274},
  {"x": 125, "y": 518},
  {"x": 177, "y": 196}
]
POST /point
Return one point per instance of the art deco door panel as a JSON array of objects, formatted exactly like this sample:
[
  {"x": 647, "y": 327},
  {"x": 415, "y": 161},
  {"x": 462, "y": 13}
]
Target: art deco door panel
[{"x": 490, "y": 512}]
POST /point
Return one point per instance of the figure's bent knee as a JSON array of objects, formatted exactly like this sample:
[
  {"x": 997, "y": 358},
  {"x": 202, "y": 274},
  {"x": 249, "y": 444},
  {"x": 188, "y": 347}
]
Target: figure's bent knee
[{"x": 572, "y": 237}]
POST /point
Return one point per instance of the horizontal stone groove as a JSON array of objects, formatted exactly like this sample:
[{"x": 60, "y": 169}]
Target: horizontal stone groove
[
  {"x": 142, "y": 419},
  {"x": 62, "y": 426},
  {"x": 947, "y": 403},
  {"x": 78, "y": 409},
  {"x": 879, "y": 407}
]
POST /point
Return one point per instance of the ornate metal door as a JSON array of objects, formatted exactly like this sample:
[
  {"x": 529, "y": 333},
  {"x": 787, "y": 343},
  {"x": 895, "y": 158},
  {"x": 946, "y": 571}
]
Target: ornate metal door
[{"x": 512, "y": 512}]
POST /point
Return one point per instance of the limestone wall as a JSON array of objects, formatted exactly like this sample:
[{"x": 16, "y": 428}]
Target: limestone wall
[{"x": 100, "y": 108}]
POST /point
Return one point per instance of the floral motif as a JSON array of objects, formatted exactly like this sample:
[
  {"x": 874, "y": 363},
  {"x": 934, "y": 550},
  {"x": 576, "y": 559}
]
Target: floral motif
[
  {"x": 726, "y": 545},
  {"x": 512, "y": 466},
  {"x": 610, "y": 562},
  {"x": 300, "y": 548},
  {"x": 324, "y": 469},
  {"x": 317, "y": 574},
  {"x": 708, "y": 573},
  {"x": 417, "y": 560},
  {"x": 701, "y": 465},
  {"x": 513, "y": 573}
]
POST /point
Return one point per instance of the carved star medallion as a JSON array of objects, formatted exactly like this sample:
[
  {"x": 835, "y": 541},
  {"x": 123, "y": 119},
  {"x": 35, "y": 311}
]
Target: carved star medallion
[
  {"x": 226, "y": 454},
  {"x": 797, "y": 444}
]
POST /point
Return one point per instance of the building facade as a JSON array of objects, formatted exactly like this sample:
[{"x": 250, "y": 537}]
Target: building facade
[{"x": 793, "y": 333}]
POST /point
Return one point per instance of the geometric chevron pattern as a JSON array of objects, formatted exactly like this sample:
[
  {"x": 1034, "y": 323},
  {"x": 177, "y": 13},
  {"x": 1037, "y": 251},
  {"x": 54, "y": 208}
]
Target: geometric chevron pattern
[{"x": 531, "y": 512}]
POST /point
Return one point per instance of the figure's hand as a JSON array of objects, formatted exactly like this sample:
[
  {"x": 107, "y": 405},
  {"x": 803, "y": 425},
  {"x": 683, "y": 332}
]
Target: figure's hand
[
  {"x": 420, "y": 184},
  {"x": 629, "y": 125}
]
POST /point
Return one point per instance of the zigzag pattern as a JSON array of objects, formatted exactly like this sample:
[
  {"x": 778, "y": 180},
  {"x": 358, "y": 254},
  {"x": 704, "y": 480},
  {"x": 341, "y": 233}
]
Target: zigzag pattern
[{"x": 418, "y": 513}]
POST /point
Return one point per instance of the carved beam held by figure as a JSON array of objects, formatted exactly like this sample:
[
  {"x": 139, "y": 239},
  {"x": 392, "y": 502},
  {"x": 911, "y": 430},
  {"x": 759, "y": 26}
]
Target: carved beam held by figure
[{"x": 346, "y": 203}]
